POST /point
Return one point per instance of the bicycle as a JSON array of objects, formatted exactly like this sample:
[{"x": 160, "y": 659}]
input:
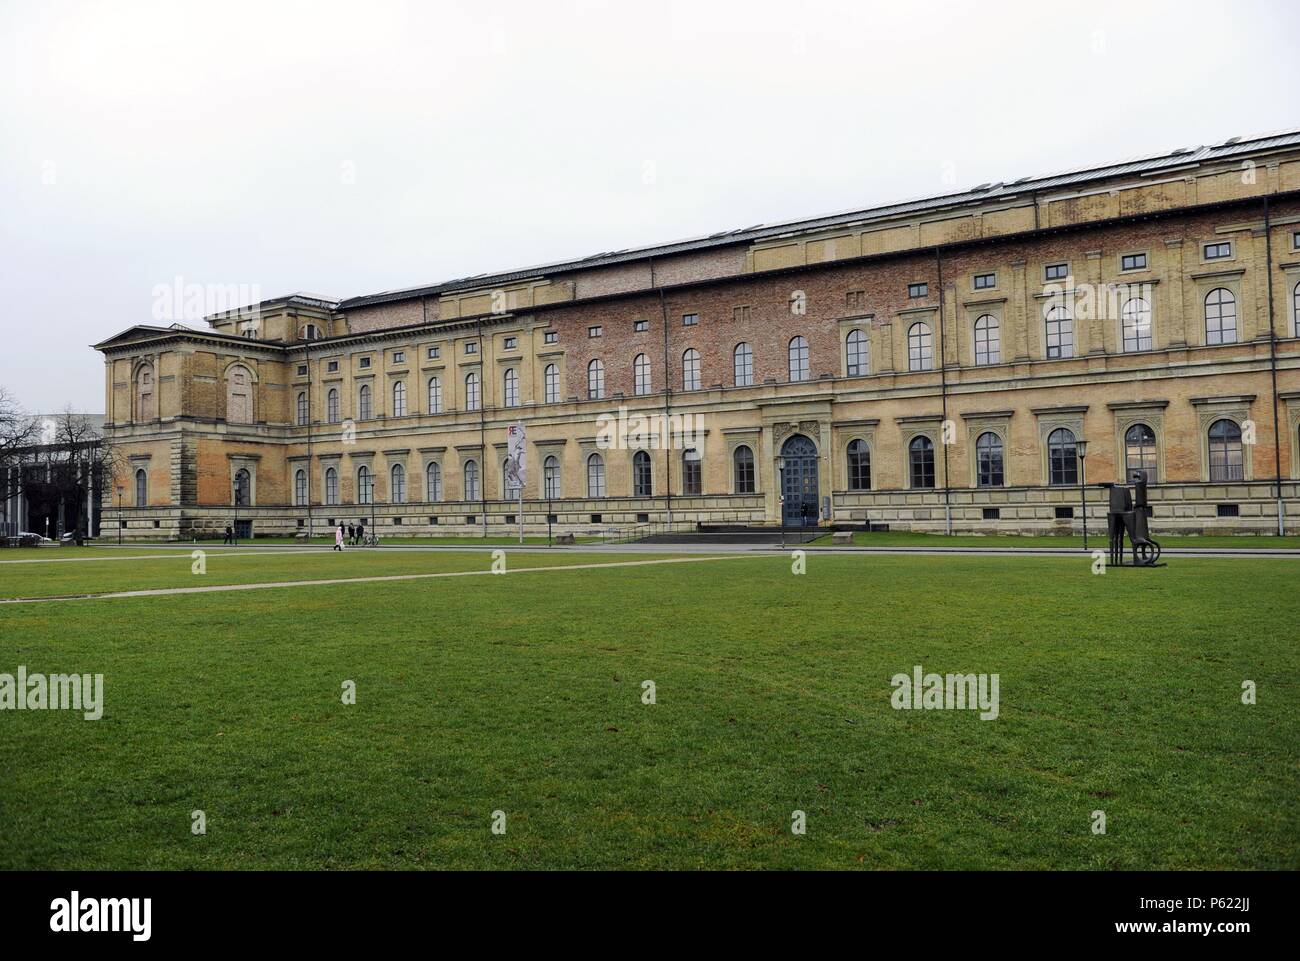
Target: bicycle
[{"x": 370, "y": 540}]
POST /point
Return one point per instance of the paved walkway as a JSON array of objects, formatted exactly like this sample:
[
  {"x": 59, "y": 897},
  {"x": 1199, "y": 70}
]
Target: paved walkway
[{"x": 220, "y": 588}]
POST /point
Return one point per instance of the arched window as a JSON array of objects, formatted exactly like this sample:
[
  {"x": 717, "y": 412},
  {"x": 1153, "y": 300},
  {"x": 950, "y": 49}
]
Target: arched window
[
  {"x": 331, "y": 486},
  {"x": 472, "y": 400},
  {"x": 299, "y": 487},
  {"x": 365, "y": 485},
  {"x": 551, "y": 477},
  {"x": 1220, "y": 317},
  {"x": 243, "y": 487},
  {"x": 141, "y": 488},
  {"x": 1226, "y": 460},
  {"x": 743, "y": 364},
  {"x": 1135, "y": 320},
  {"x": 471, "y": 480},
  {"x": 397, "y": 484},
  {"x": 509, "y": 481},
  {"x": 239, "y": 395},
  {"x": 435, "y": 395},
  {"x": 332, "y": 406},
  {"x": 1062, "y": 458},
  {"x": 859, "y": 466},
  {"x": 1295, "y": 311},
  {"x": 433, "y": 482},
  {"x": 920, "y": 461},
  {"x": 552, "y": 379},
  {"x": 1140, "y": 450},
  {"x": 920, "y": 347},
  {"x": 691, "y": 369},
  {"x": 798, "y": 351},
  {"x": 692, "y": 472},
  {"x": 399, "y": 399},
  {"x": 641, "y": 374},
  {"x": 364, "y": 407},
  {"x": 595, "y": 476},
  {"x": 642, "y": 477},
  {"x": 145, "y": 408},
  {"x": 510, "y": 388},
  {"x": 595, "y": 380},
  {"x": 855, "y": 350},
  {"x": 989, "y": 470},
  {"x": 310, "y": 332},
  {"x": 988, "y": 340},
  {"x": 1060, "y": 333},
  {"x": 742, "y": 464}
]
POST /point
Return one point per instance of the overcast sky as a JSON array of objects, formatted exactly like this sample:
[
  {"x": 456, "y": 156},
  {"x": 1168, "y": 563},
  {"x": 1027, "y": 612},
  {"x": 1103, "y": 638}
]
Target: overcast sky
[{"x": 352, "y": 147}]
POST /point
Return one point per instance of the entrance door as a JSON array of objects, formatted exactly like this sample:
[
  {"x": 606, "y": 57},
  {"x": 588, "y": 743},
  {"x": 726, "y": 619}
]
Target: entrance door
[{"x": 799, "y": 482}]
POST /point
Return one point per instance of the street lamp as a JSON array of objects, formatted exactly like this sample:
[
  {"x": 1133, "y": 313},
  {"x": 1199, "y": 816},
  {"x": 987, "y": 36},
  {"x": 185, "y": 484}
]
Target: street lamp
[
  {"x": 119, "y": 515},
  {"x": 1082, "y": 447},
  {"x": 780, "y": 492},
  {"x": 234, "y": 529}
]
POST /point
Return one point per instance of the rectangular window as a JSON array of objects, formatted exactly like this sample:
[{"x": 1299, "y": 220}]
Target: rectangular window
[
  {"x": 740, "y": 314},
  {"x": 511, "y": 343},
  {"x": 365, "y": 362},
  {"x": 643, "y": 518},
  {"x": 550, "y": 336},
  {"x": 1295, "y": 240},
  {"x": 1221, "y": 251},
  {"x": 1064, "y": 513},
  {"x": 433, "y": 519},
  {"x": 1056, "y": 271},
  {"x": 640, "y": 326},
  {"x": 595, "y": 331},
  {"x": 399, "y": 357},
  {"x": 434, "y": 353},
  {"x": 332, "y": 367},
  {"x": 985, "y": 281},
  {"x": 471, "y": 346},
  {"x": 690, "y": 320},
  {"x": 918, "y": 290},
  {"x": 1133, "y": 262},
  {"x": 595, "y": 518},
  {"x": 1227, "y": 510},
  {"x": 992, "y": 513},
  {"x": 397, "y": 521},
  {"x": 302, "y": 370},
  {"x": 471, "y": 519}
]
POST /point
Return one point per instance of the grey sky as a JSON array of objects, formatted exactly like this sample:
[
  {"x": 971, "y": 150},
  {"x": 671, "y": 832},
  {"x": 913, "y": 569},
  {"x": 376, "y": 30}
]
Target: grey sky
[{"x": 346, "y": 148}]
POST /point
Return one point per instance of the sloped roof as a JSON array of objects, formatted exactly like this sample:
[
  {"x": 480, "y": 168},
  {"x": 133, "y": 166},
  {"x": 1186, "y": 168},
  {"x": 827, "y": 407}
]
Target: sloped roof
[{"x": 1143, "y": 165}]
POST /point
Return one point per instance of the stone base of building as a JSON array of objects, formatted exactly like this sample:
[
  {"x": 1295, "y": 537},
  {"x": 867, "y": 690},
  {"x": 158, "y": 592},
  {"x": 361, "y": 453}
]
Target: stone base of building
[{"x": 1239, "y": 508}]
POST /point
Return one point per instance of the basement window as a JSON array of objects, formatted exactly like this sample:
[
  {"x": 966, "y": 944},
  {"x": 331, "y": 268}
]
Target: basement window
[
  {"x": 1064, "y": 513},
  {"x": 643, "y": 518},
  {"x": 511, "y": 519},
  {"x": 992, "y": 513},
  {"x": 1228, "y": 510},
  {"x": 471, "y": 519},
  {"x": 433, "y": 519},
  {"x": 595, "y": 518}
]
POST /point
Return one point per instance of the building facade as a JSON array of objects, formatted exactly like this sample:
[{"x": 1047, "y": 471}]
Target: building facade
[{"x": 930, "y": 365}]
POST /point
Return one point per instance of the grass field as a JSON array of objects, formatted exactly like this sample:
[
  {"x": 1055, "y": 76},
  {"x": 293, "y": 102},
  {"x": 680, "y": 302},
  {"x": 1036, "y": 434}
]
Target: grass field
[
  {"x": 523, "y": 694},
  {"x": 1096, "y": 540}
]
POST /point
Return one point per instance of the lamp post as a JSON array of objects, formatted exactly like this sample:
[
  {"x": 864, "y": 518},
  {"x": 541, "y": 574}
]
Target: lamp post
[
  {"x": 370, "y": 484},
  {"x": 234, "y": 528},
  {"x": 780, "y": 492},
  {"x": 1082, "y": 447},
  {"x": 119, "y": 515}
]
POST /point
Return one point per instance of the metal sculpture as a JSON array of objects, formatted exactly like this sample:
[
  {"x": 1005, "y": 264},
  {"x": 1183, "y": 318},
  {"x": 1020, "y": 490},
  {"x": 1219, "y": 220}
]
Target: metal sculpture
[{"x": 1130, "y": 512}]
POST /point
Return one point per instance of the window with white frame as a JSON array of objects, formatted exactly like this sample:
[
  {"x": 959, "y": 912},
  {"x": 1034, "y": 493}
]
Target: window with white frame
[
  {"x": 691, "y": 369},
  {"x": 471, "y": 480},
  {"x": 641, "y": 374},
  {"x": 331, "y": 486},
  {"x": 595, "y": 476},
  {"x": 433, "y": 481},
  {"x": 743, "y": 359},
  {"x": 364, "y": 407},
  {"x": 988, "y": 340},
  {"x": 798, "y": 352},
  {"x": 856, "y": 349},
  {"x": 551, "y": 477},
  {"x": 920, "y": 347},
  {"x": 595, "y": 380},
  {"x": 299, "y": 487},
  {"x": 1060, "y": 333},
  {"x": 435, "y": 395},
  {"x": 397, "y": 485},
  {"x": 399, "y": 399},
  {"x": 1220, "y": 317},
  {"x": 1227, "y": 458},
  {"x": 332, "y": 406},
  {"x": 1135, "y": 321},
  {"x": 473, "y": 398},
  {"x": 510, "y": 388},
  {"x": 551, "y": 379}
]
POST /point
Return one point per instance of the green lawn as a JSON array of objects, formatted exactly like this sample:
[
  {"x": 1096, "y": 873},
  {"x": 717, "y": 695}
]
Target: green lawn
[
  {"x": 1096, "y": 540},
  {"x": 397, "y": 540},
  {"x": 522, "y": 694}
]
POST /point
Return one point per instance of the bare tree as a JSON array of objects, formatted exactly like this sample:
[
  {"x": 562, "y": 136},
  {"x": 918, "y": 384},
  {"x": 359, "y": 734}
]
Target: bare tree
[
  {"x": 67, "y": 470},
  {"x": 19, "y": 431}
]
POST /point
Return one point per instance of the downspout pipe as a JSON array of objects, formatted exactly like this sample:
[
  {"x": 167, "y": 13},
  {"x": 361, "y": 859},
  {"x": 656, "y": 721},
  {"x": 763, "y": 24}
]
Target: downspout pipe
[
  {"x": 668, "y": 402},
  {"x": 1272, "y": 363},
  {"x": 943, "y": 393}
]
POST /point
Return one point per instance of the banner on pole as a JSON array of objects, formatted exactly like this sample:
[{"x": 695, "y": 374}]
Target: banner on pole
[{"x": 516, "y": 454}]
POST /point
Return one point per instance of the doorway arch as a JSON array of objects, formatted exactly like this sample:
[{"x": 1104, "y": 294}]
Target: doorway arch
[{"x": 799, "y": 482}]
